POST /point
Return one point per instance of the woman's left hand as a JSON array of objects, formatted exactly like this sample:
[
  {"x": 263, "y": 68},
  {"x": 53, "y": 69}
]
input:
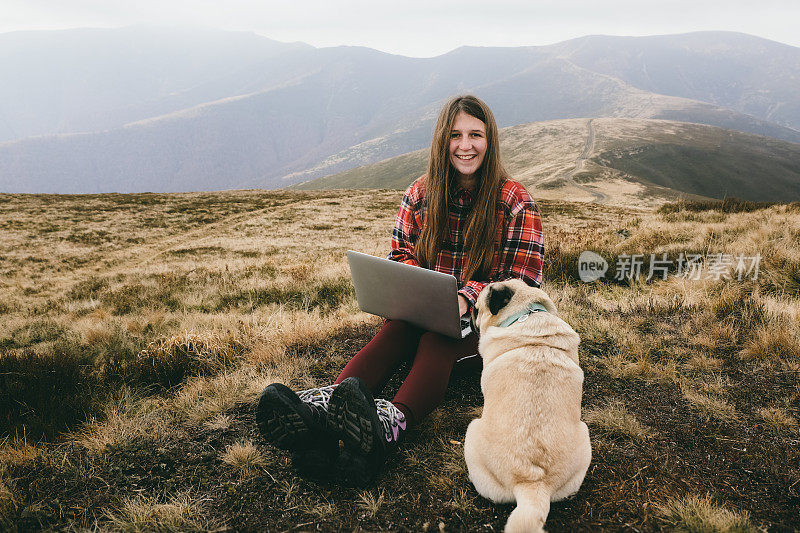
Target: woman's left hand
[{"x": 463, "y": 306}]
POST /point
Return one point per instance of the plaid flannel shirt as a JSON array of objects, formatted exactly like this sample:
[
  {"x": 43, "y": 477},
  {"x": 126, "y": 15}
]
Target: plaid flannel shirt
[{"x": 519, "y": 243}]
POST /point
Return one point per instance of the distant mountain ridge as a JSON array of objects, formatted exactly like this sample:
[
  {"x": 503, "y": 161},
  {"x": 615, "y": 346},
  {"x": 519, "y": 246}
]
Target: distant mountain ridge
[
  {"x": 210, "y": 110},
  {"x": 632, "y": 162},
  {"x": 733, "y": 69},
  {"x": 70, "y": 81}
]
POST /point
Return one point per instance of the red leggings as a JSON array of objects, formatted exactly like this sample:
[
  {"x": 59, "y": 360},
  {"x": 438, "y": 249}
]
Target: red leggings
[{"x": 433, "y": 357}]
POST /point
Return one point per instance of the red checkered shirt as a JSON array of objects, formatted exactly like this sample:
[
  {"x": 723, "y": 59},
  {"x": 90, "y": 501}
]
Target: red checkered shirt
[{"x": 519, "y": 244}]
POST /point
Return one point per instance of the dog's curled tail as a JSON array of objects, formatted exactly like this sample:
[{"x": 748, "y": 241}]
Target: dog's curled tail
[{"x": 533, "y": 505}]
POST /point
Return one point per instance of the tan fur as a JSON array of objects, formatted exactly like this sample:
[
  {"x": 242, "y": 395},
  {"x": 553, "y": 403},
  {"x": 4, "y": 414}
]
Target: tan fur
[{"x": 530, "y": 445}]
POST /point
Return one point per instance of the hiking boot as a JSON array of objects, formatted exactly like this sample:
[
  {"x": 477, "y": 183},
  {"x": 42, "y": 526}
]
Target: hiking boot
[
  {"x": 370, "y": 430},
  {"x": 297, "y": 422}
]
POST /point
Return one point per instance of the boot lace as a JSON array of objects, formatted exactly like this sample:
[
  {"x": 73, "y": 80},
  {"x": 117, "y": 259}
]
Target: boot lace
[
  {"x": 319, "y": 397},
  {"x": 392, "y": 419}
]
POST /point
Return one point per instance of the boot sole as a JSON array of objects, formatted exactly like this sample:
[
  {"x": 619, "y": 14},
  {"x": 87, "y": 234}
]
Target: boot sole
[
  {"x": 280, "y": 422},
  {"x": 353, "y": 416}
]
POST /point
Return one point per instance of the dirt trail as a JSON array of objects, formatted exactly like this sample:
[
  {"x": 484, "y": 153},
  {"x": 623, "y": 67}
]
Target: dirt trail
[{"x": 599, "y": 197}]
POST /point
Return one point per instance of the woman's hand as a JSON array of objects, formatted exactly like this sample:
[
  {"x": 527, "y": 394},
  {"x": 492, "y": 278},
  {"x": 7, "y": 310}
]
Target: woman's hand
[{"x": 463, "y": 306}]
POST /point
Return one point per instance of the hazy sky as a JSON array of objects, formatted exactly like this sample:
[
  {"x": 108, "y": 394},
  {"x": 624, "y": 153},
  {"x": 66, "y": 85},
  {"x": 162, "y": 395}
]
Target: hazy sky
[{"x": 420, "y": 28}]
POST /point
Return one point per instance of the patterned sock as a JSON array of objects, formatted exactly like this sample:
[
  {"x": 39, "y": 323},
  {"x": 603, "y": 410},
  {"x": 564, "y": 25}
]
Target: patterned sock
[{"x": 407, "y": 412}]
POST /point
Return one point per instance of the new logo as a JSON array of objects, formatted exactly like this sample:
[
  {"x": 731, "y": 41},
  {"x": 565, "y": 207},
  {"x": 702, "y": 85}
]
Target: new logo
[{"x": 591, "y": 266}]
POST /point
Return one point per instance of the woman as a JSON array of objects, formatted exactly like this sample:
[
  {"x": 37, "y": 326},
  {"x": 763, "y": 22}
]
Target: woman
[{"x": 463, "y": 217}]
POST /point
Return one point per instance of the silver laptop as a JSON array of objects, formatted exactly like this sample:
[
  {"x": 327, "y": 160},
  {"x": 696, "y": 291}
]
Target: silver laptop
[{"x": 422, "y": 297}]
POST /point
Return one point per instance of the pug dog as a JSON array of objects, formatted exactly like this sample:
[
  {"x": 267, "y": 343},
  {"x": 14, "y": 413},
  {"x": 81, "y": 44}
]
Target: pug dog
[{"x": 529, "y": 445}]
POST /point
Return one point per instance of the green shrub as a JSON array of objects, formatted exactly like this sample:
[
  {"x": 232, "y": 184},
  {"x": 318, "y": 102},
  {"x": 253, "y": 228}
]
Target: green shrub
[
  {"x": 44, "y": 330},
  {"x": 326, "y": 296},
  {"x": 198, "y": 250},
  {"x": 154, "y": 294},
  {"x": 114, "y": 356},
  {"x": 91, "y": 238},
  {"x": 86, "y": 289},
  {"x": 167, "y": 362},
  {"x": 248, "y": 300},
  {"x": 560, "y": 265},
  {"x": 332, "y": 293},
  {"x": 728, "y": 205}
]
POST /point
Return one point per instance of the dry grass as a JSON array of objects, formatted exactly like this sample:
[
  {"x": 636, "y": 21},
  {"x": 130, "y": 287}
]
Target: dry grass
[
  {"x": 619, "y": 367},
  {"x": 709, "y": 406},
  {"x": 202, "y": 399},
  {"x": 8, "y": 503},
  {"x": 614, "y": 420},
  {"x": 98, "y": 334},
  {"x": 452, "y": 459},
  {"x": 219, "y": 422},
  {"x": 174, "y": 311},
  {"x": 717, "y": 338},
  {"x": 283, "y": 328},
  {"x": 715, "y": 385},
  {"x": 371, "y": 502},
  {"x": 324, "y": 510},
  {"x": 243, "y": 456},
  {"x": 702, "y": 362},
  {"x": 463, "y": 500},
  {"x": 767, "y": 342},
  {"x": 728, "y": 205},
  {"x": 778, "y": 420},
  {"x": 169, "y": 361},
  {"x": 145, "y": 514},
  {"x": 15, "y": 452},
  {"x": 696, "y": 514},
  {"x": 128, "y": 417}
]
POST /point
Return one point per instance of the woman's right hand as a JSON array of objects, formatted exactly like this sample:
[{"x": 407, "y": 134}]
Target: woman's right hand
[{"x": 463, "y": 305}]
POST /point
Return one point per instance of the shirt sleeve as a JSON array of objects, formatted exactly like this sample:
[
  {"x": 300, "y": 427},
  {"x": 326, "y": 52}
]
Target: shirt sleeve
[
  {"x": 405, "y": 233},
  {"x": 521, "y": 256}
]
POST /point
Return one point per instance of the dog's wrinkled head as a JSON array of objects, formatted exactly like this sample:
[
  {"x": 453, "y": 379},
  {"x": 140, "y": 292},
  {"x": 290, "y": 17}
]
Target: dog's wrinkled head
[{"x": 501, "y": 300}]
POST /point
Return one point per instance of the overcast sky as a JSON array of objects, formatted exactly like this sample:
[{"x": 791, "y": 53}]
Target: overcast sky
[{"x": 420, "y": 28}]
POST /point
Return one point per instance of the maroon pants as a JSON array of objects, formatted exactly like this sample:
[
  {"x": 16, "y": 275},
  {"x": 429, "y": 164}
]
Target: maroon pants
[{"x": 433, "y": 357}]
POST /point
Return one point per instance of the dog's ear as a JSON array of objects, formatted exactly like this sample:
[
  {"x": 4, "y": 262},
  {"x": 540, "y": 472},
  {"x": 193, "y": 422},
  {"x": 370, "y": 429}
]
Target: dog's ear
[{"x": 499, "y": 298}]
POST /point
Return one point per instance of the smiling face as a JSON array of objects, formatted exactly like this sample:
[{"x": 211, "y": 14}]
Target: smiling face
[{"x": 467, "y": 145}]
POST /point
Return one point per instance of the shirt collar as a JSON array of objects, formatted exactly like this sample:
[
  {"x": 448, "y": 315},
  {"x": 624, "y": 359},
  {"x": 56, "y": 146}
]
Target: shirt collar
[{"x": 461, "y": 195}]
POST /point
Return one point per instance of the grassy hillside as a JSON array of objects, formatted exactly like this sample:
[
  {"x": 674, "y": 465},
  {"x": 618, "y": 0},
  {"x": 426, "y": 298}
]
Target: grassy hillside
[
  {"x": 531, "y": 152},
  {"x": 699, "y": 159},
  {"x": 632, "y": 160},
  {"x": 393, "y": 173},
  {"x": 139, "y": 330}
]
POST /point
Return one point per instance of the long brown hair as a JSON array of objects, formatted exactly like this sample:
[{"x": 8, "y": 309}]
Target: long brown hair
[{"x": 438, "y": 183}]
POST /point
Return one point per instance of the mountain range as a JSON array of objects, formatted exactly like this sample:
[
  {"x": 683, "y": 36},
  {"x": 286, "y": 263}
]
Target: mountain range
[
  {"x": 641, "y": 162},
  {"x": 148, "y": 109}
]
